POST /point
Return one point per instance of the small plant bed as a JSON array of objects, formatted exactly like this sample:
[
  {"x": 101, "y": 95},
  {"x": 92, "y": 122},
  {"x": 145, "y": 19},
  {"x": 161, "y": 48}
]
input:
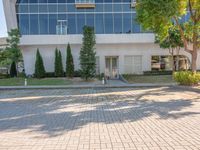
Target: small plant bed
[
  {"x": 149, "y": 79},
  {"x": 34, "y": 81}
]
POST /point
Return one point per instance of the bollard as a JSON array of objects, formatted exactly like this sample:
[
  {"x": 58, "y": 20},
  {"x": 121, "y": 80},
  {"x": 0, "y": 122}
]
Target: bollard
[
  {"x": 103, "y": 81},
  {"x": 25, "y": 82}
]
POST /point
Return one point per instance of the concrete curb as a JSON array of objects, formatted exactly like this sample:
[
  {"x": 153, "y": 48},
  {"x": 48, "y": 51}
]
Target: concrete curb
[{"x": 86, "y": 86}]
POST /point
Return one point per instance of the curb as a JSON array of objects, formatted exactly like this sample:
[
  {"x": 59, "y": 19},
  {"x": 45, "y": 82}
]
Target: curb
[{"x": 86, "y": 86}]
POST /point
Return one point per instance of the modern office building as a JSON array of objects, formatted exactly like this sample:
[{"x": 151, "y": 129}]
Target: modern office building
[{"x": 122, "y": 46}]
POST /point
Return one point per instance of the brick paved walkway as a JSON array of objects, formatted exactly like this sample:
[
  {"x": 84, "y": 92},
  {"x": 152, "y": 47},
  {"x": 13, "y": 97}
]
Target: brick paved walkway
[{"x": 94, "y": 119}]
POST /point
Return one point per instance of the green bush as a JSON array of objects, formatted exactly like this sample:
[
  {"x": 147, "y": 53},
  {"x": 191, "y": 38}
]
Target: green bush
[
  {"x": 50, "y": 74},
  {"x": 69, "y": 63},
  {"x": 157, "y": 72},
  {"x": 187, "y": 78},
  {"x": 77, "y": 73},
  {"x": 58, "y": 64},
  {"x": 39, "y": 66},
  {"x": 13, "y": 70},
  {"x": 21, "y": 75},
  {"x": 3, "y": 76}
]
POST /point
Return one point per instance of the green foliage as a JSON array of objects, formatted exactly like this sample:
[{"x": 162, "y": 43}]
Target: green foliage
[
  {"x": 61, "y": 71},
  {"x": 87, "y": 54},
  {"x": 5, "y": 61},
  {"x": 77, "y": 73},
  {"x": 187, "y": 78},
  {"x": 172, "y": 40},
  {"x": 58, "y": 64},
  {"x": 69, "y": 63},
  {"x": 157, "y": 19},
  {"x": 160, "y": 15},
  {"x": 13, "y": 51},
  {"x": 4, "y": 76},
  {"x": 13, "y": 70},
  {"x": 39, "y": 66},
  {"x": 164, "y": 14}
]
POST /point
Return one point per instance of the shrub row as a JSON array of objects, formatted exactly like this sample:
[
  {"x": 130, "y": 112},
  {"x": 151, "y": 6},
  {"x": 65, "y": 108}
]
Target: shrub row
[
  {"x": 58, "y": 65},
  {"x": 157, "y": 72},
  {"x": 187, "y": 78}
]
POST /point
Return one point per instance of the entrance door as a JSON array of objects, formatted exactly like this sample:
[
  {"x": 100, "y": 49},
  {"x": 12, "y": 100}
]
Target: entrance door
[{"x": 112, "y": 71}]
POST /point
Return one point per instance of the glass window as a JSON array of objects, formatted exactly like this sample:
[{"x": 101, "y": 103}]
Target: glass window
[
  {"x": 70, "y": 1},
  {"x": 90, "y": 20},
  {"x": 117, "y": 7},
  {"x": 52, "y": 23},
  {"x": 52, "y": 8},
  {"x": 42, "y": 1},
  {"x": 126, "y": 7},
  {"x": 99, "y": 8},
  {"x": 98, "y": 1},
  {"x": 43, "y": 8},
  {"x": 22, "y": 1},
  {"x": 135, "y": 26},
  {"x": 108, "y": 1},
  {"x": 33, "y": 8},
  {"x": 126, "y": 23},
  {"x": 43, "y": 23},
  {"x": 71, "y": 24},
  {"x": 34, "y": 29},
  {"x": 99, "y": 24},
  {"x": 161, "y": 63},
  {"x": 108, "y": 7},
  {"x": 80, "y": 23},
  {"x": 52, "y": 1},
  {"x": 117, "y": 23},
  {"x": 23, "y": 8},
  {"x": 62, "y": 7},
  {"x": 33, "y": 1},
  {"x": 71, "y": 8},
  {"x": 108, "y": 23},
  {"x": 24, "y": 24},
  {"x": 62, "y": 1}
]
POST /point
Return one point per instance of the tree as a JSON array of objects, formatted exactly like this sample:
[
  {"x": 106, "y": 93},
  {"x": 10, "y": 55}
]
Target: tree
[
  {"x": 160, "y": 15},
  {"x": 58, "y": 64},
  {"x": 172, "y": 42},
  {"x": 39, "y": 66},
  {"x": 13, "y": 51},
  {"x": 87, "y": 53},
  {"x": 13, "y": 70},
  {"x": 61, "y": 71},
  {"x": 4, "y": 60},
  {"x": 69, "y": 63}
]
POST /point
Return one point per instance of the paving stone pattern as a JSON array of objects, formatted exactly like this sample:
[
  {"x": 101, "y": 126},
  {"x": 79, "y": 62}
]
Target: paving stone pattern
[{"x": 100, "y": 119}]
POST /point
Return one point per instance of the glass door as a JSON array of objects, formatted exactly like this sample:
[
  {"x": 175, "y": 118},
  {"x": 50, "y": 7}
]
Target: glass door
[{"x": 111, "y": 70}]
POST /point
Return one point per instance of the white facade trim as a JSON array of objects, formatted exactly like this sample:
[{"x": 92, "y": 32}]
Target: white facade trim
[{"x": 77, "y": 39}]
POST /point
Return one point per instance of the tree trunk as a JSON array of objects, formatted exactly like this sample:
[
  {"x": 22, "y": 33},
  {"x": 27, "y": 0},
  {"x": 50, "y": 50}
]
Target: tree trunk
[{"x": 194, "y": 60}]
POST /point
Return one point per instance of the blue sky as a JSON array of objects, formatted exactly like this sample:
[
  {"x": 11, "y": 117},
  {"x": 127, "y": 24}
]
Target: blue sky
[{"x": 3, "y": 29}]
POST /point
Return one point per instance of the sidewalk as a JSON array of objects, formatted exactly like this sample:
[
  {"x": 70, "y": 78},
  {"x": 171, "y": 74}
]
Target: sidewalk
[{"x": 109, "y": 85}]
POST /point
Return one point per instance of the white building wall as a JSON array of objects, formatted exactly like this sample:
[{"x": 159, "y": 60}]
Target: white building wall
[{"x": 102, "y": 50}]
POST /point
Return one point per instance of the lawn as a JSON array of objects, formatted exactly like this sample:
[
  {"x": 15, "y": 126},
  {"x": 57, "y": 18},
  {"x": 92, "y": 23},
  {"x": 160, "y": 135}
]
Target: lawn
[
  {"x": 33, "y": 81},
  {"x": 149, "y": 79}
]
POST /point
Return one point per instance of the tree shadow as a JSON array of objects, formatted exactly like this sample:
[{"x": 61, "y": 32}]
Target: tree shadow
[{"x": 54, "y": 112}]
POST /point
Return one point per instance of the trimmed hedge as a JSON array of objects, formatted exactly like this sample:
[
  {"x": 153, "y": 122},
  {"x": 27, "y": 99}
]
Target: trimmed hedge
[
  {"x": 187, "y": 78},
  {"x": 3, "y": 76},
  {"x": 157, "y": 73}
]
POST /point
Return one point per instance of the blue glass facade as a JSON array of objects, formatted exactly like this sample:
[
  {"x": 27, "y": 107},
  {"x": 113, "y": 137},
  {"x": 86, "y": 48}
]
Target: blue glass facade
[{"x": 38, "y": 17}]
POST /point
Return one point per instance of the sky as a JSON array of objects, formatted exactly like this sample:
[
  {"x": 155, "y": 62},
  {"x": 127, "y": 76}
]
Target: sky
[{"x": 3, "y": 29}]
